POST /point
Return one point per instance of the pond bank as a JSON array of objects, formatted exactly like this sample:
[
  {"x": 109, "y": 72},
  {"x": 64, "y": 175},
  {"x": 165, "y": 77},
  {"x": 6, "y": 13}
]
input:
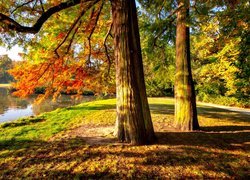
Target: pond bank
[{"x": 12, "y": 107}]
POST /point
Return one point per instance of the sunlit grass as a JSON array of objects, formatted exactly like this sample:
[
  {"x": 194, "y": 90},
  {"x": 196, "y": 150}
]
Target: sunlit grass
[
  {"x": 5, "y": 85},
  {"x": 220, "y": 150},
  {"x": 47, "y": 124}
]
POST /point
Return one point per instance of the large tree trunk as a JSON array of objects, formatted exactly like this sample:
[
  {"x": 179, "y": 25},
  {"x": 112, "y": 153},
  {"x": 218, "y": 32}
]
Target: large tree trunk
[
  {"x": 185, "y": 103},
  {"x": 134, "y": 122}
]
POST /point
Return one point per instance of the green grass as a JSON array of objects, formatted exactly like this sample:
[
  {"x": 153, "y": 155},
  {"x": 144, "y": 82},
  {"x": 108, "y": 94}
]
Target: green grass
[
  {"x": 46, "y": 125},
  {"x": 220, "y": 150}
]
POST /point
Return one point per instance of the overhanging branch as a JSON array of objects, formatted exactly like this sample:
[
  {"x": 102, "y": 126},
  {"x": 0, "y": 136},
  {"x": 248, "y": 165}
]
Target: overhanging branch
[
  {"x": 166, "y": 28},
  {"x": 69, "y": 31},
  {"x": 95, "y": 17},
  {"x": 13, "y": 25}
]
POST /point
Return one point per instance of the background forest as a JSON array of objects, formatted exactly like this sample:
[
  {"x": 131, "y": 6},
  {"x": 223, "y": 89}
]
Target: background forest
[{"x": 219, "y": 50}]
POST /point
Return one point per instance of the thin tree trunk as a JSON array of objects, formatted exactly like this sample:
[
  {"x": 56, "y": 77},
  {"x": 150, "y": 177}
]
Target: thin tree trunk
[
  {"x": 185, "y": 102},
  {"x": 133, "y": 122}
]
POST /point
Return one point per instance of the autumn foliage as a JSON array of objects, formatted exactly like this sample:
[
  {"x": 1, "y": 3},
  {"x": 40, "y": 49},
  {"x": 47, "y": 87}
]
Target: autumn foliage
[
  {"x": 58, "y": 76},
  {"x": 69, "y": 56}
]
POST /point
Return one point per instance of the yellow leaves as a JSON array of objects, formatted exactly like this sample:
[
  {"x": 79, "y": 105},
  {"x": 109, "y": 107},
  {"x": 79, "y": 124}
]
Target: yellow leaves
[
  {"x": 55, "y": 2},
  {"x": 230, "y": 51}
]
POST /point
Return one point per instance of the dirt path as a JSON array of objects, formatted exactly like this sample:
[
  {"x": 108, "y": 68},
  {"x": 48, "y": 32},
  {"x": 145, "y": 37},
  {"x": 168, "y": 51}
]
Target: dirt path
[
  {"x": 235, "y": 109},
  {"x": 91, "y": 134},
  {"x": 102, "y": 135}
]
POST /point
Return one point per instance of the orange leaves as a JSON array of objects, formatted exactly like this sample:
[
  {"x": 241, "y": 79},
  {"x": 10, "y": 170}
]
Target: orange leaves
[
  {"x": 56, "y": 76},
  {"x": 76, "y": 70},
  {"x": 60, "y": 35}
]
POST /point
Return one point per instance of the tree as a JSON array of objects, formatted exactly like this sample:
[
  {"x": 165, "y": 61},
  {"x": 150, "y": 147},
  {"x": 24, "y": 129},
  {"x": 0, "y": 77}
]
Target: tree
[
  {"x": 5, "y": 64},
  {"x": 221, "y": 52},
  {"x": 133, "y": 116},
  {"x": 185, "y": 103},
  {"x": 162, "y": 24}
]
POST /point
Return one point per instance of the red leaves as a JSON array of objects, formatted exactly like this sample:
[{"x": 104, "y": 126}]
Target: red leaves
[
  {"x": 60, "y": 35},
  {"x": 56, "y": 76}
]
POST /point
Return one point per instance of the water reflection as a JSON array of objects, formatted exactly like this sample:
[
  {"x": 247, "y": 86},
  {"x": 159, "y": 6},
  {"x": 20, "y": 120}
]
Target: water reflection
[{"x": 12, "y": 107}]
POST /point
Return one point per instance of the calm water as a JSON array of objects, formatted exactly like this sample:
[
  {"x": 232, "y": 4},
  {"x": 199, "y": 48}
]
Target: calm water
[{"x": 12, "y": 107}]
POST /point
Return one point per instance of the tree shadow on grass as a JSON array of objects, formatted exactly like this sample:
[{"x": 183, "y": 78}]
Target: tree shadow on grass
[
  {"x": 219, "y": 152},
  {"x": 218, "y": 113},
  {"x": 206, "y": 151},
  {"x": 161, "y": 108},
  {"x": 175, "y": 154},
  {"x": 225, "y": 128},
  {"x": 219, "y": 140},
  {"x": 23, "y": 122},
  {"x": 205, "y": 111},
  {"x": 200, "y": 160}
]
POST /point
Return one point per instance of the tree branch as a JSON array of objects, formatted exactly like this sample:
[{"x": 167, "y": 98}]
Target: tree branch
[
  {"x": 73, "y": 36},
  {"x": 71, "y": 28},
  {"x": 34, "y": 5},
  {"x": 21, "y": 6},
  {"x": 161, "y": 32},
  {"x": 164, "y": 29},
  {"x": 106, "y": 47},
  {"x": 13, "y": 25},
  {"x": 93, "y": 29},
  {"x": 41, "y": 3}
]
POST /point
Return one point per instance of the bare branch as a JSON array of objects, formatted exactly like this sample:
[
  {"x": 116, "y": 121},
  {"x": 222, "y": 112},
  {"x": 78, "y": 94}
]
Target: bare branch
[
  {"x": 166, "y": 27},
  {"x": 41, "y": 3},
  {"x": 161, "y": 7},
  {"x": 13, "y": 25},
  {"x": 21, "y": 6},
  {"x": 73, "y": 36},
  {"x": 93, "y": 29},
  {"x": 106, "y": 47},
  {"x": 69, "y": 31},
  {"x": 34, "y": 5}
]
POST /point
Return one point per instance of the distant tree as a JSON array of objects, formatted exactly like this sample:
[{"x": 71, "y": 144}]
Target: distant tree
[
  {"x": 5, "y": 64},
  {"x": 185, "y": 103},
  {"x": 170, "y": 21}
]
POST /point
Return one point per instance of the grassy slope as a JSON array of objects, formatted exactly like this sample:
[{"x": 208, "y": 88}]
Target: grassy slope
[{"x": 221, "y": 150}]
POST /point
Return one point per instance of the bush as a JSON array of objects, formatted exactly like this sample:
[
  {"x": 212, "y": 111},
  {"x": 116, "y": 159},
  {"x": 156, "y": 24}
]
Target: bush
[{"x": 223, "y": 100}]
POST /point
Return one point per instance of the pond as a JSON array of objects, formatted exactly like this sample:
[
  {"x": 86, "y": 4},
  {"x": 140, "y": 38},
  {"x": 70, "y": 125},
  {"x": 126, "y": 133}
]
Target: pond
[{"x": 12, "y": 108}]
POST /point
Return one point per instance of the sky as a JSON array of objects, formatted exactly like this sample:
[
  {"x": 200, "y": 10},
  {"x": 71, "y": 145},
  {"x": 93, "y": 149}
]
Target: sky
[{"x": 12, "y": 53}]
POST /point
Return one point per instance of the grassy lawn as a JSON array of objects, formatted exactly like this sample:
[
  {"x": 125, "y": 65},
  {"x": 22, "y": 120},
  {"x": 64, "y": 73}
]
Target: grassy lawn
[{"x": 53, "y": 145}]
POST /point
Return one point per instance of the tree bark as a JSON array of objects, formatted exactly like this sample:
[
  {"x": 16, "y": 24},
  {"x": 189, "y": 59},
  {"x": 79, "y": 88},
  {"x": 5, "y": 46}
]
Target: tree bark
[
  {"x": 133, "y": 124},
  {"x": 185, "y": 101}
]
